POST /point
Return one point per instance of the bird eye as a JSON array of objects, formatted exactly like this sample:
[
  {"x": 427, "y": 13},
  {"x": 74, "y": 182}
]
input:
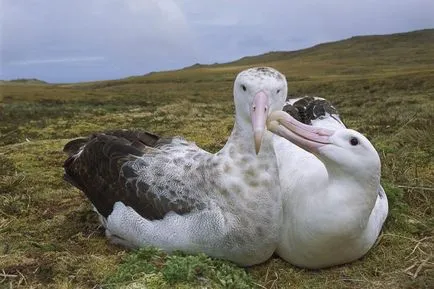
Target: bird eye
[
  {"x": 354, "y": 141},
  {"x": 278, "y": 91},
  {"x": 243, "y": 87}
]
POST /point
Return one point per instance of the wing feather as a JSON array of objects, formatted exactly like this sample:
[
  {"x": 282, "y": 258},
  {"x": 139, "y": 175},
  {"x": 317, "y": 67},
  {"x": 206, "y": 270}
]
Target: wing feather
[
  {"x": 307, "y": 109},
  {"x": 121, "y": 166}
]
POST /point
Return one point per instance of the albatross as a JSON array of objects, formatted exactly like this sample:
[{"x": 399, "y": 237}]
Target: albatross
[
  {"x": 333, "y": 204},
  {"x": 169, "y": 193}
]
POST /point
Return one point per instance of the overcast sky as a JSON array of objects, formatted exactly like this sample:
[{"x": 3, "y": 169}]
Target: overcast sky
[{"x": 79, "y": 40}]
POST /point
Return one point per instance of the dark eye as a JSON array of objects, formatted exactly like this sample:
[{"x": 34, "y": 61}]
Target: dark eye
[
  {"x": 243, "y": 87},
  {"x": 278, "y": 91},
  {"x": 354, "y": 141}
]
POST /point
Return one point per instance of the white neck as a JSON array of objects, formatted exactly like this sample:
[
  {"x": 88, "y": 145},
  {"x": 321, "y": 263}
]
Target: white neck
[
  {"x": 330, "y": 226},
  {"x": 325, "y": 200},
  {"x": 242, "y": 141},
  {"x": 351, "y": 196}
]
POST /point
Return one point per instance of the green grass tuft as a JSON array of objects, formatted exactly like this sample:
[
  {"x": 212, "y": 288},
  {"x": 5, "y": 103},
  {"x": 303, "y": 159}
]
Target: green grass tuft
[
  {"x": 149, "y": 267},
  {"x": 398, "y": 208}
]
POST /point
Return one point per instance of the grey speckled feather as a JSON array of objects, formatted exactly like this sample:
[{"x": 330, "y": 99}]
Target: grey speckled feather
[
  {"x": 169, "y": 193},
  {"x": 109, "y": 167}
]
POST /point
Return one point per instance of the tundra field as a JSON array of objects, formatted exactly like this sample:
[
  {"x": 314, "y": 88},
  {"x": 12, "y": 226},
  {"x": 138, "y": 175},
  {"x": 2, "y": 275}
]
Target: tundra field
[{"x": 383, "y": 86}]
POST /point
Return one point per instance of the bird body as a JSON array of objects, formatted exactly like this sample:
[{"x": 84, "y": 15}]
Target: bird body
[
  {"x": 333, "y": 204},
  {"x": 169, "y": 193}
]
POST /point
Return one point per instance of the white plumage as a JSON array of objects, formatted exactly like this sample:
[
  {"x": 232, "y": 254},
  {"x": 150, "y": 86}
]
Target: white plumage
[{"x": 333, "y": 204}]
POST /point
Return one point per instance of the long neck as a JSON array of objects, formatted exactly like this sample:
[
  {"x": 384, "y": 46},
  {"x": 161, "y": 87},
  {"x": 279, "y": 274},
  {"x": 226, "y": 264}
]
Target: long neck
[
  {"x": 333, "y": 202},
  {"x": 354, "y": 194},
  {"x": 241, "y": 142},
  {"x": 251, "y": 176}
]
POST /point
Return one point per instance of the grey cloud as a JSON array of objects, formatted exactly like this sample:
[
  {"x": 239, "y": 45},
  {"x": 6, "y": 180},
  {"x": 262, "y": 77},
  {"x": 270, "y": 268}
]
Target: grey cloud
[
  {"x": 42, "y": 38},
  {"x": 57, "y": 60}
]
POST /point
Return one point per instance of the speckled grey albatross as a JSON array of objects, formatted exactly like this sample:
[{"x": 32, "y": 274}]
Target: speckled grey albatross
[
  {"x": 333, "y": 204},
  {"x": 169, "y": 193}
]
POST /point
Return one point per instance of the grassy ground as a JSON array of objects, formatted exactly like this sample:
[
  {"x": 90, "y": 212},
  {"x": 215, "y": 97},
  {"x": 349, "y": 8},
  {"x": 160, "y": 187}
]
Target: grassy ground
[{"x": 50, "y": 238}]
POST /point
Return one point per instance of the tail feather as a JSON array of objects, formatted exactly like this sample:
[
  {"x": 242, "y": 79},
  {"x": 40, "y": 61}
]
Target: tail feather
[{"x": 74, "y": 146}]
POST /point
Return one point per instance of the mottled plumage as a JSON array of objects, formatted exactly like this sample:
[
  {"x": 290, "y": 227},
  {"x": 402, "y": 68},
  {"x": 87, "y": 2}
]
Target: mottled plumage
[
  {"x": 113, "y": 166},
  {"x": 309, "y": 108},
  {"x": 169, "y": 193}
]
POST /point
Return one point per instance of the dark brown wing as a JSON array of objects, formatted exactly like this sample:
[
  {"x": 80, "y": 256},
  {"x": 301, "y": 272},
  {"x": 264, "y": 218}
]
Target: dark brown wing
[
  {"x": 310, "y": 108},
  {"x": 107, "y": 168}
]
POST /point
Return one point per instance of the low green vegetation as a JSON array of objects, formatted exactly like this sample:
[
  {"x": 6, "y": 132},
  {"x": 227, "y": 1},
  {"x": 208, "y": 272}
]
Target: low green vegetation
[
  {"x": 155, "y": 269},
  {"x": 51, "y": 238}
]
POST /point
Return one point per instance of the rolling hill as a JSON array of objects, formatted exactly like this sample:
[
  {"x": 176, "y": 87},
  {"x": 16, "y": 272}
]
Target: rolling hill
[{"x": 384, "y": 61}]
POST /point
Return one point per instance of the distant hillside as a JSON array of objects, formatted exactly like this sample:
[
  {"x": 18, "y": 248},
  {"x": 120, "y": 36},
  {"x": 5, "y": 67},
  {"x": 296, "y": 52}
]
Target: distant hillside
[
  {"x": 24, "y": 81},
  {"x": 402, "y": 61},
  {"x": 410, "y": 47}
]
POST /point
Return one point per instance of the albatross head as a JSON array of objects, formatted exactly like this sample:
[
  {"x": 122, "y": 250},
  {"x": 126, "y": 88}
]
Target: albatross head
[
  {"x": 258, "y": 92},
  {"x": 344, "y": 150}
]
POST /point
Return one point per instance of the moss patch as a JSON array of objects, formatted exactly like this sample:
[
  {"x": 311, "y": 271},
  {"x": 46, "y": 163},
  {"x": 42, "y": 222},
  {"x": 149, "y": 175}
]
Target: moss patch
[{"x": 151, "y": 268}]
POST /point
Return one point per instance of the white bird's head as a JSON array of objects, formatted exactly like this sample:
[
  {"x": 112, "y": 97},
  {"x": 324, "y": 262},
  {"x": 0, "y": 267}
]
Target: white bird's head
[
  {"x": 345, "y": 150},
  {"x": 258, "y": 92}
]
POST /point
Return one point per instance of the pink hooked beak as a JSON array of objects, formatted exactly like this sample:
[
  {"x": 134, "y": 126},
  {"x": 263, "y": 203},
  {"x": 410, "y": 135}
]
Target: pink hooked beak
[
  {"x": 259, "y": 116},
  {"x": 306, "y": 136}
]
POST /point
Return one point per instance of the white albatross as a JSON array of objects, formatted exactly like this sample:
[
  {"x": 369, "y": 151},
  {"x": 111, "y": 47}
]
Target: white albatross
[
  {"x": 333, "y": 204},
  {"x": 168, "y": 193}
]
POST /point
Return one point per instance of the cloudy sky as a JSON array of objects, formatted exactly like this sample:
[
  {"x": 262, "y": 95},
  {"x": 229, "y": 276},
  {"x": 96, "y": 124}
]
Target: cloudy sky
[{"x": 79, "y": 40}]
